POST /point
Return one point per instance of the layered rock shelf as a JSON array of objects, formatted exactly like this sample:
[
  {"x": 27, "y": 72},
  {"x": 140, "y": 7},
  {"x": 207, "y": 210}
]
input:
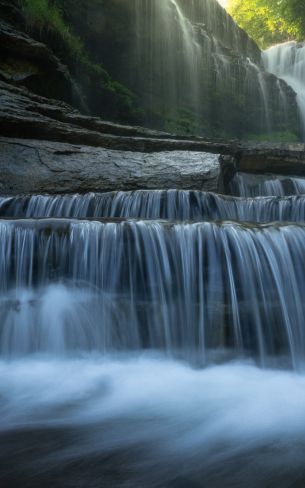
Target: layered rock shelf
[{"x": 48, "y": 146}]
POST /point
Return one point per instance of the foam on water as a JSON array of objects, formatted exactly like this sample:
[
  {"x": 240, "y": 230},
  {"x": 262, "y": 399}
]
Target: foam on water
[
  {"x": 103, "y": 328},
  {"x": 173, "y": 422}
]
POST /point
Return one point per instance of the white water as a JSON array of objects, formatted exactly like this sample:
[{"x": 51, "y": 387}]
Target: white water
[
  {"x": 146, "y": 421},
  {"x": 93, "y": 319},
  {"x": 173, "y": 204},
  {"x": 287, "y": 61},
  {"x": 250, "y": 186},
  {"x": 180, "y": 288},
  {"x": 183, "y": 66}
]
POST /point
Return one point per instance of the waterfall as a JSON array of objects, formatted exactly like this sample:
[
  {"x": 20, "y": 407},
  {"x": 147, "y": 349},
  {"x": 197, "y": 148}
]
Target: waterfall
[
  {"x": 152, "y": 337},
  {"x": 193, "y": 67},
  {"x": 179, "y": 205},
  {"x": 183, "y": 288},
  {"x": 287, "y": 61},
  {"x": 161, "y": 68},
  {"x": 249, "y": 185}
]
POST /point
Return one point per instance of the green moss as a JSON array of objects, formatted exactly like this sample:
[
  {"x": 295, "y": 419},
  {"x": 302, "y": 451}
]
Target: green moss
[
  {"x": 273, "y": 137},
  {"x": 44, "y": 16},
  {"x": 46, "y": 19},
  {"x": 186, "y": 122}
]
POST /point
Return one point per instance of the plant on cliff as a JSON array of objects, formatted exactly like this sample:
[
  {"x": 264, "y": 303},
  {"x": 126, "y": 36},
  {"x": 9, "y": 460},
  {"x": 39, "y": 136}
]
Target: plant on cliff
[
  {"x": 49, "y": 20},
  {"x": 270, "y": 21},
  {"x": 46, "y": 17}
]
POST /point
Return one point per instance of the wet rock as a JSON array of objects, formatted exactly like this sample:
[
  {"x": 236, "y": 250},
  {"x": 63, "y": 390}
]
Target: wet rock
[
  {"x": 32, "y": 166},
  {"x": 77, "y": 142},
  {"x": 23, "y": 114},
  {"x": 27, "y": 62},
  {"x": 262, "y": 159}
]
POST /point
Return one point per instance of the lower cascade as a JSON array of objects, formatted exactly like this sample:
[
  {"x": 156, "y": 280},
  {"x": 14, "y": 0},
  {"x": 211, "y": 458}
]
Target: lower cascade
[
  {"x": 148, "y": 338},
  {"x": 181, "y": 288}
]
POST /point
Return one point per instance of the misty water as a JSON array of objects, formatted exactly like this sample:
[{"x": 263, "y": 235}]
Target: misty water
[
  {"x": 145, "y": 420},
  {"x": 180, "y": 58},
  {"x": 152, "y": 353},
  {"x": 287, "y": 61}
]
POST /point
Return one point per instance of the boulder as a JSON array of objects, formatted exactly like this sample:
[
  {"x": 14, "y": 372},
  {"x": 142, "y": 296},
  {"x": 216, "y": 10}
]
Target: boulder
[{"x": 33, "y": 166}]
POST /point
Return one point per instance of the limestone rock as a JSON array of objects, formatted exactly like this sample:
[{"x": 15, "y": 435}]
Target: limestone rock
[{"x": 29, "y": 166}]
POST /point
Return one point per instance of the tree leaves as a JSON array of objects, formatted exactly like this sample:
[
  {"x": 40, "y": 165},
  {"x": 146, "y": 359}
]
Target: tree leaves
[{"x": 270, "y": 21}]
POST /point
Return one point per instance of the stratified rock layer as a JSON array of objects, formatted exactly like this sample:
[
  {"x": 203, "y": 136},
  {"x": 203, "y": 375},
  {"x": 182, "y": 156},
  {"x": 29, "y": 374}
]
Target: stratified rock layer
[
  {"x": 47, "y": 146},
  {"x": 28, "y": 166}
]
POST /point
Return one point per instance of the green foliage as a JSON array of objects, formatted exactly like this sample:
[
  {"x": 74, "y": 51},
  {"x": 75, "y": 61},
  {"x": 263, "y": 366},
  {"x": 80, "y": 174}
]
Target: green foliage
[
  {"x": 273, "y": 137},
  {"x": 53, "y": 21},
  {"x": 270, "y": 21},
  {"x": 184, "y": 122},
  {"x": 46, "y": 16}
]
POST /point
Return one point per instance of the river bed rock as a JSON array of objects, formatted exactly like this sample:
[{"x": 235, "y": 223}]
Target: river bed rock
[{"x": 29, "y": 166}]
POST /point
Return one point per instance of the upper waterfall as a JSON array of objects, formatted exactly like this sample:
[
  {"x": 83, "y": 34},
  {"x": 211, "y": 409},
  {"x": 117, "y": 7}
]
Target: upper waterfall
[
  {"x": 195, "y": 71},
  {"x": 287, "y": 61}
]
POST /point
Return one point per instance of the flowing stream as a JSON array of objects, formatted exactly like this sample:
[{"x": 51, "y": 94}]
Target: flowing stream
[
  {"x": 249, "y": 186},
  {"x": 284, "y": 200},
  {"x": 152, "y": 339}
]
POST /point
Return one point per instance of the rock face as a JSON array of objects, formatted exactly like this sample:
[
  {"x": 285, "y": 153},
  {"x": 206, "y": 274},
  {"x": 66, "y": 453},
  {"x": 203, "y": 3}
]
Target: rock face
[
  {"x": 28, "y": 166},
  {"x": 287, "y": 159},
  {"x": 47, "y": 146},
  {"x": 23, "y": 114},
  {"x": 192, "y": 68},
  {"x": 27, "y": 59},
  {"x": 32, "y": 64},
  {"x": 259, "y": 161}
]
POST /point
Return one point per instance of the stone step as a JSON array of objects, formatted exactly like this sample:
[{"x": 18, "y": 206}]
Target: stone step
[{"x": 159, "y": 204}]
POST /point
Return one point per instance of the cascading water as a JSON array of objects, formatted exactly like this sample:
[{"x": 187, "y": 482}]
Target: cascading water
[
  {"x": 287, "y": 61},
  {"x": 111, "y": 332},
  {"x": 182, "y": 288},
  {"x": 249, "y": 185},
  {"x": 193, "y": 67},
  {"x": 151, "y": 352},
  {"x": 172, "y": 204},
  {"x": 161, "y": 66}
]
